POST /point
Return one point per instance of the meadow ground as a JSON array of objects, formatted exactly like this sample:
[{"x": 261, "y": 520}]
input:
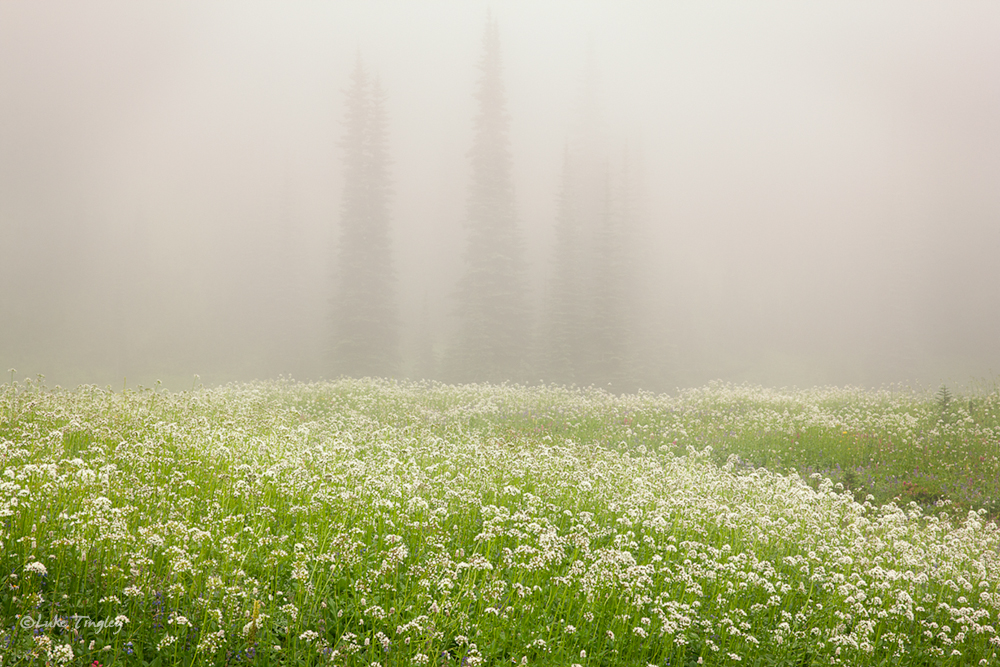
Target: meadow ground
[{"x": 375, "y": 523}]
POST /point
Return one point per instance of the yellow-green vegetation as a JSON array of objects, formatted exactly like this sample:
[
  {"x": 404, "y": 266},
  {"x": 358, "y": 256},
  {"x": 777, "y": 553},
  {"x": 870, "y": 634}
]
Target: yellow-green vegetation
[{"x": 377, "y": 523}]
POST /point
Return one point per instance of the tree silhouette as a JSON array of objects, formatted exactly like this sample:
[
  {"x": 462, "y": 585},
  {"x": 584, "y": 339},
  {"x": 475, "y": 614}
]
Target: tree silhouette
[
  {"x": 365, "y": 321},
  {"x": 564, "y": 314},
  {"x": 492, "y": 341},
  {"x": 608, "y": 313},
  {"x": 594, "y": 322}
]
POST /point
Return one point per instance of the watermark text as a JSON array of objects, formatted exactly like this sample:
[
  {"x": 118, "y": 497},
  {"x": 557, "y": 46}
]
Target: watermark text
[{"x": 74, "y": 621}]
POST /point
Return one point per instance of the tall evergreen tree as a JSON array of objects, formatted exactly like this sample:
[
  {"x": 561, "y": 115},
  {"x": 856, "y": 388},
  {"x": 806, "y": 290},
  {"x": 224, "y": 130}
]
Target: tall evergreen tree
[
  {"x": 563, "y": 346},
  {"x": 492, "y": 343},
  {"x": 593, "y": 307},
  {"x": 608, "y": 339},
  {"x": 589, "y": 307},
  {"x": 365, "y": 321},
  {"x": 649, "y": 351}
]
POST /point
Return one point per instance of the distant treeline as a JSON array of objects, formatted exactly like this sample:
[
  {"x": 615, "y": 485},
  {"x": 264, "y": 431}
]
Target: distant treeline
[{"x": 590, "y": 329}]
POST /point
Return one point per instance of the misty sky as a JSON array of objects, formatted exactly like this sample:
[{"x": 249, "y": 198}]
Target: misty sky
[{"x": 821, "y": 181}]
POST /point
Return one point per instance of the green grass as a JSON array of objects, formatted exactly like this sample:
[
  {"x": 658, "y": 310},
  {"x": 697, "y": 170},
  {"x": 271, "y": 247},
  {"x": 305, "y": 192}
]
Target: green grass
[
  {"x": 897, "y": 446},
  {"x": 370, "y": 522}
]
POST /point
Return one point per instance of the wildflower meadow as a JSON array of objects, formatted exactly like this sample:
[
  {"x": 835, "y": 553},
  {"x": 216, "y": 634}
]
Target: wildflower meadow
[{"x": 377, "y": 523}]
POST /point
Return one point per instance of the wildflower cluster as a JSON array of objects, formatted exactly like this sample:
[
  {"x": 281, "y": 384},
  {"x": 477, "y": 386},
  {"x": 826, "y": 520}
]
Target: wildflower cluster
[{"x": 369, "y": 522}]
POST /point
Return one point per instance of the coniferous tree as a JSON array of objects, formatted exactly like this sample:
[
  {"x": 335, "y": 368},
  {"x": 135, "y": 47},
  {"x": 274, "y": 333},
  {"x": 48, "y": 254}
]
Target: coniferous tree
[
  {"x": 365, "y": 321},
  {"x": 492, "y": 342},
  {"x": 425, "y": 364},
  {"x": 650, "y": 351},
  {"x": 608, "y": 312},
  {"x": 564, "y": 312},
  {"x": 593, "y": 313}
]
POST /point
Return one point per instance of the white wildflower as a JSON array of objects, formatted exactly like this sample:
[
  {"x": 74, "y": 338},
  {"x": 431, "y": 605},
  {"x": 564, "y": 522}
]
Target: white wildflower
[
  {"x": 211, "y": 641},
  {"x": 61, "y": 654},
  {"x": 36, "y": 568}
]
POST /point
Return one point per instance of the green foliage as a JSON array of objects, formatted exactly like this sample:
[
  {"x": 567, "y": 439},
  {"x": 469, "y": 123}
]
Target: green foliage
[
  {"x": 493, "y": 339},
  {"x": 943, "y": 397},
  {"x": 365, "y": 522},
  {"x": 365, "y": 321}
]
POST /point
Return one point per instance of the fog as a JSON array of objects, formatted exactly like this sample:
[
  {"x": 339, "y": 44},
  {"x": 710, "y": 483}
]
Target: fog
[{"x": 816, "y": 185}]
